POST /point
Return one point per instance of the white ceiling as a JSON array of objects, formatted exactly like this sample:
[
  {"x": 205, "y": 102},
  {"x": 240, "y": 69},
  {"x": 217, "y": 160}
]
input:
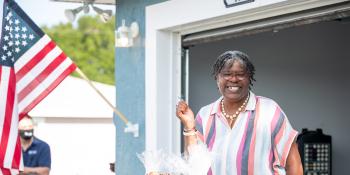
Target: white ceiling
[{"x": 106, "y": 2}]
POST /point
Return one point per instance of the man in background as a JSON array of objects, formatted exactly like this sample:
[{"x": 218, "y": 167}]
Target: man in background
[{"x": 36, "y": 153}]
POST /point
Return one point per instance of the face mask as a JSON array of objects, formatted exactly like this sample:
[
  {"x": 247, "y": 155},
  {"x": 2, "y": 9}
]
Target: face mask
[{"x": 26, "y": 134}]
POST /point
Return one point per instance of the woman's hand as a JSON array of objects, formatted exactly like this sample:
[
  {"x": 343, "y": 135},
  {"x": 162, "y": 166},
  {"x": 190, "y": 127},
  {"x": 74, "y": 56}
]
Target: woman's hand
[{"x": 185, "y": 114}]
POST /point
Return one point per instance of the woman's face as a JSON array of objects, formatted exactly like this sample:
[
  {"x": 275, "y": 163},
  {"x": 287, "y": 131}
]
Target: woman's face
[{"x": 233, "y": 81}]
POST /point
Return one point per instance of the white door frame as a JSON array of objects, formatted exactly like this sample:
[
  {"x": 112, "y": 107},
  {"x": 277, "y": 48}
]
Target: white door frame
[{"x": 165, "y": 24}]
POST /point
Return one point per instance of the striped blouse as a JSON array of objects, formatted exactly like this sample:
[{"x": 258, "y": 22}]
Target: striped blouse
[{"x": 258, "y": 143}]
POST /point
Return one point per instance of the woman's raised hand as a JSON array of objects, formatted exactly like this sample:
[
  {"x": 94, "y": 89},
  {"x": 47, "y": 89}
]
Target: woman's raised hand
[{"x": 185, "y": 114}]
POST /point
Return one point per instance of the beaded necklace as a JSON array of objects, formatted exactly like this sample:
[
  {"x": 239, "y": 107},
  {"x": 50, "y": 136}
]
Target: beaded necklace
[{"x": 235, "y": 115}]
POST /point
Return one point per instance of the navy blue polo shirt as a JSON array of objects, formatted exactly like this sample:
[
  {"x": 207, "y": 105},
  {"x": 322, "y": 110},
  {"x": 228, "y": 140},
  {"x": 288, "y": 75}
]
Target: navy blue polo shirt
[{"x": 37, "y": 155}]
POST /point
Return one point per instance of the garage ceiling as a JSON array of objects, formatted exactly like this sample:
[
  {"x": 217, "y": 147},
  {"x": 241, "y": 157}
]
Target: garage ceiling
[
  {"x": 337, "y": 11},
  {"x": 106, "y": 2}
]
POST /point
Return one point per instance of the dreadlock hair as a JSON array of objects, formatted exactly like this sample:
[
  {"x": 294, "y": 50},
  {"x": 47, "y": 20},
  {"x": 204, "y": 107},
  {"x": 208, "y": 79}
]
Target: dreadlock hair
[{"x": 234, "y": 56}]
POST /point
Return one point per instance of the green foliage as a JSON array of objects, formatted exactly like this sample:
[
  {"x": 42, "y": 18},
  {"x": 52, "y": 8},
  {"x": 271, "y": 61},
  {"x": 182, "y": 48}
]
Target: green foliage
[{"x": 90, "y": 45}]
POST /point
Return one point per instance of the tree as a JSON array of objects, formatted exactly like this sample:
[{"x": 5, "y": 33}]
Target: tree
[{"x": 90, "y": 45}]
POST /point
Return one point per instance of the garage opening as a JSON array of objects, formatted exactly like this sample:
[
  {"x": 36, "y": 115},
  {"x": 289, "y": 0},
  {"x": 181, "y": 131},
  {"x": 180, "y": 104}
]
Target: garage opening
[{"x": 302, "y": 62}]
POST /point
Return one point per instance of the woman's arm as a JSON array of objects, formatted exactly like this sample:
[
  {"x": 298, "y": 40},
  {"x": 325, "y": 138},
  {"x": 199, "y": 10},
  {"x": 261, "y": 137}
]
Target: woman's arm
[
  {"x": 293, "y": 165},
  {"x": 186, "y": 116}
]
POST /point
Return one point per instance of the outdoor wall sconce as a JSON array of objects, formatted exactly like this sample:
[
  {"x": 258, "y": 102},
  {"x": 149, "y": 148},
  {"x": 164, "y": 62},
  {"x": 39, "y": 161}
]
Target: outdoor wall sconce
[{"x": 124, "y": 35}]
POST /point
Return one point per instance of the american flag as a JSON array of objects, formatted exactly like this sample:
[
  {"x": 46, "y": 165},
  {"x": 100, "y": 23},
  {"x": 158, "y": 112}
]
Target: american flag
[{"x": 31, "y": 67}]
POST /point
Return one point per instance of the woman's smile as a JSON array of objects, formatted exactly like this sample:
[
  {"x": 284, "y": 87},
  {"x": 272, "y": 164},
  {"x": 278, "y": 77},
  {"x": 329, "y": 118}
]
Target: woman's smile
[{"x": 233, "y": 89}]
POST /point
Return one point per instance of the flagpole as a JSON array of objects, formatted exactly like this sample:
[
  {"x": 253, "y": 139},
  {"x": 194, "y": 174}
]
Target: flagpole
[{"x": 116, "y": 111}]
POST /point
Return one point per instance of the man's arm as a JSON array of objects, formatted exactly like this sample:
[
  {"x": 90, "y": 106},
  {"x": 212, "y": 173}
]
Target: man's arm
[
  {"x": 36, "y": 170},
  {"x": 293, "y": 165}
]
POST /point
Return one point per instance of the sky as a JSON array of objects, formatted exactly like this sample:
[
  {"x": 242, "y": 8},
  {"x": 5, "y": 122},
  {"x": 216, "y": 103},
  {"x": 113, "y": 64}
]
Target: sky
[{"x": 47, "y": 12}]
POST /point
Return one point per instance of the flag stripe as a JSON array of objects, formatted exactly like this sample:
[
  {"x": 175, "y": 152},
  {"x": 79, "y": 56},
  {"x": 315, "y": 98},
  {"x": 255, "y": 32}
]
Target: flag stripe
[
  {"x": 30, "y": 76},
  {"x": 16, "y": 163},
  {"x": 4, "y": 87},
  {"x": 5, "y": 171},
  {"x": 35, "y": 60},
  {"x": 7, "y": 74},
  {"x": 42, "y": 87},
  {"x": 40, "y": 92},
  {"x": 3, "y": 92},
  {"x": 41, "y": 77},
  {"x": 13, "y": 133}
]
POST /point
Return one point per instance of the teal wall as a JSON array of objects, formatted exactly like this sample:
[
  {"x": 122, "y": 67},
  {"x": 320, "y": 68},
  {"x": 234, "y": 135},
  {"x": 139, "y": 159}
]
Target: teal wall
[{"x": 130, "y": 88}]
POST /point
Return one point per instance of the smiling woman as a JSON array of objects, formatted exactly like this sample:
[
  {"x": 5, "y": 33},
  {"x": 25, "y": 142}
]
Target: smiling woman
[{"x": 248, "y": 134}]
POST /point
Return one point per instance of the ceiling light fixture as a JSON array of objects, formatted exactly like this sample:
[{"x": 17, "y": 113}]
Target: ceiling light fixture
[
  {"x": 71, "y": 14},
  {"x": 105, "y": 15}
]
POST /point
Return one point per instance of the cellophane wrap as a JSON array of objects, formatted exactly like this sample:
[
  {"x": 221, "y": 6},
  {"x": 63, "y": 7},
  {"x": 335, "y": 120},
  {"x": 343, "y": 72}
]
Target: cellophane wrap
[{"x": 196, "y": 162}]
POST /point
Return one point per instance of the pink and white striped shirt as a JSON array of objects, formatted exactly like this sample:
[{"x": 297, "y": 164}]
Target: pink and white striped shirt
[{"x": 258, "y": 143}]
